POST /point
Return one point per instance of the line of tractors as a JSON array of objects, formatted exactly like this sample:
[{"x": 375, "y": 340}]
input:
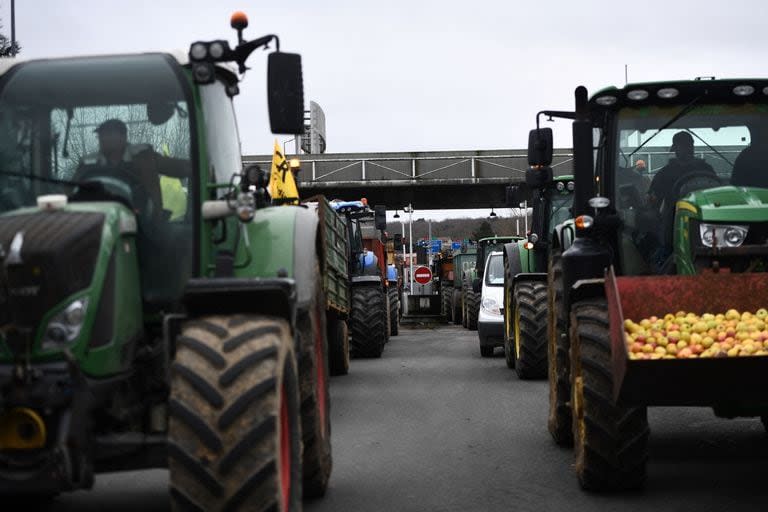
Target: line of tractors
[
  {"x": 639, "y": 285},
  {"x": 634, "y": 287},
  {"x": 200, "y": 336}
]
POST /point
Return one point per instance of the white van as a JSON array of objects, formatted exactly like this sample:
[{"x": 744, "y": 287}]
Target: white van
[{"x": 490, "y": 321}]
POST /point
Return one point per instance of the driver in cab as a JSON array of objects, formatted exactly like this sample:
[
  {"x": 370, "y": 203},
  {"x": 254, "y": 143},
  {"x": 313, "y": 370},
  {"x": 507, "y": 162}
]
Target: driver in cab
[
  {"x": 661, "y": 190},
  {"x": 141, "y": 160}
]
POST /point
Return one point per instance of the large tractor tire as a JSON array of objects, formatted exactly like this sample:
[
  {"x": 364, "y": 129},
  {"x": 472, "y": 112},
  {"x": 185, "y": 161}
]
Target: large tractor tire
[
  {"x": 446, "y": 293},
  {"x": 338, "y": 347},
  {"x": 509, "y": 331},
  {"x": 610, "y": 441},
  {"x": 530, "y": 329},
  {"x": 394, "y": 312},
  {"x": 473, "y": 309},
  {"x": 368, "y": 322},
  {"x": 560, "y": 421},
  {"x": 234, "y": 435},
  {"x": 456, "y": 307},
  {"x": 315, "y": 397}
]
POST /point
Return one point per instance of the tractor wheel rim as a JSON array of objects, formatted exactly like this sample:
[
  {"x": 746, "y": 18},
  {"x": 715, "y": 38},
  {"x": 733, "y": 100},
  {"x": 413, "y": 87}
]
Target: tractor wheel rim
[
  {"x": 578, "y": 409},
  {"x": 285, "y": 451},
  {"x": 319, "y": 363}
]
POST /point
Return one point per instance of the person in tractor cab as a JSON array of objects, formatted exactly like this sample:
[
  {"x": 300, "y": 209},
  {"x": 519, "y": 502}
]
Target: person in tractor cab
[
  {"x": 751, "y": 166},
  {"x": 684, "y": 162},
  {"x": 141, "y": 160},
  {"x": 665, "y": 190}
]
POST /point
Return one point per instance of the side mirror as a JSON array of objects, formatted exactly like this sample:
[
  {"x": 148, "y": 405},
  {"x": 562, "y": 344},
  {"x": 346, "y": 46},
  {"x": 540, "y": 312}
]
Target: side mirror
[
  {"x": 540, "y": 147},
  {"x": 380, "y": 217},
  {"x": 398, "y": 240},
  {"x": 477, "y": 285},
  {"x": 285, "y": 92}
]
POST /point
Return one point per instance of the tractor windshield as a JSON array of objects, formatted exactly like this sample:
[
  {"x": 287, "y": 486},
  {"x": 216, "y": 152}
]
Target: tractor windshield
[
  {"x": 123, "y": 122},
  {"x": 560, "y": 207},
  {"x": 711, "y": 145},
  {"x": 728, "y": 141}
]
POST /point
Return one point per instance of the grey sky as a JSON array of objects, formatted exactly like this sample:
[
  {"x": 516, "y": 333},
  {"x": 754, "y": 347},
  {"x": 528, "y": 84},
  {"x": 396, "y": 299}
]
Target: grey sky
[{"x": 414, "y": 76}]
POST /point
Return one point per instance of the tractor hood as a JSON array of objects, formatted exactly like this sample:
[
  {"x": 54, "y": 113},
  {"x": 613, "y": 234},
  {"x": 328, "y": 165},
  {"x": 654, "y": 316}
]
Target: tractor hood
[
  {"x": 58, "y": 282},
  {"x": 730, "y": 204}
]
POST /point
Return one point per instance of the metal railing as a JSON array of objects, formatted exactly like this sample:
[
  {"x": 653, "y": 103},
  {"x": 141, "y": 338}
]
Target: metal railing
[{"x": 359, "y": 168}]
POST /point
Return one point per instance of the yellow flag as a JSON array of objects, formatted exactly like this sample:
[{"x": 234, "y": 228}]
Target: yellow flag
[{"x": 282, "y": 186}]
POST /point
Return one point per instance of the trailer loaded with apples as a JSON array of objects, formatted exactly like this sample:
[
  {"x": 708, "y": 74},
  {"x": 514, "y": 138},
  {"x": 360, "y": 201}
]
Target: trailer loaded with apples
[
  {"x": 134, "y": 337},
  {"x": 661, "y": 297}
]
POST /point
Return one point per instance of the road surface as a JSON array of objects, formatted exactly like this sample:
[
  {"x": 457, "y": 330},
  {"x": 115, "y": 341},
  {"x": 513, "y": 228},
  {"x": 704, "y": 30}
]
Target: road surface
[{"x": 433, "y": 426}]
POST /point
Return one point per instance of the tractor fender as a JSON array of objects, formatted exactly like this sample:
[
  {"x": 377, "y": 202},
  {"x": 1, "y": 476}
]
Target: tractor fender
[
  {"x": 585, "y": 289},
  {"x": 533, "y": 276},
  {"x": 366, "y": 281},
  {"x": 521, "y": 262},
  {"x": 275, "y": 273},
  {"x": 563, "y": 235},
  {"x": 284, "y": 244}
]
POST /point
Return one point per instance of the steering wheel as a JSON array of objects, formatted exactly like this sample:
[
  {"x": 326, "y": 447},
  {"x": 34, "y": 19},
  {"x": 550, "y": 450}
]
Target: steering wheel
[
  {"x": 111, "y": 181},
  {"x": 693, "y": 181}
]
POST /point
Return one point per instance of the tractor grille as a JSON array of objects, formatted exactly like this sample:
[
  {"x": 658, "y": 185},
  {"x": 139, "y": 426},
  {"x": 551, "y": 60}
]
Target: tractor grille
[{"x": 58, "y": 257}]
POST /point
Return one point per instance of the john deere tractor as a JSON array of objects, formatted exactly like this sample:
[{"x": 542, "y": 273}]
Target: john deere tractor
[
  {"x": 134, "y": 337},
  {"x": 653, "y": 250},
  {"x": 525, "y": 269},
  {"x": 369, "y": 315}
]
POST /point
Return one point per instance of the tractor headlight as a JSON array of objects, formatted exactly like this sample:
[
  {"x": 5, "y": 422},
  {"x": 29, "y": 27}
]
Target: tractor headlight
[
  {"x": 65, "y": 326},
  {"x": 717, "y": 235},
  {"x": 490, "y": 306}
]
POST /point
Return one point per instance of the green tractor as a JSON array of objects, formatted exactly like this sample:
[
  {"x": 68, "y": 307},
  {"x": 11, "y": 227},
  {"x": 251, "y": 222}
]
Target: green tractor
[
  {"x": 686, "y": 237},
  {"x": 463, "y": 263},
  {"x": 525, "y": 269},
  {"x": 485, "y": 246},
  {"x": 369, "y": 322},
  {"x": 134, "y": 336}
]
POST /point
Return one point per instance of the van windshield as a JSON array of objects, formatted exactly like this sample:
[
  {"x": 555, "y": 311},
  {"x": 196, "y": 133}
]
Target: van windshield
[{"x": 494, "y": 272}]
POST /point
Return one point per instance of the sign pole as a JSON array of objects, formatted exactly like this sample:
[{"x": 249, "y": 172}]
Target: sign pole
[{"x": 410, "y": 243}]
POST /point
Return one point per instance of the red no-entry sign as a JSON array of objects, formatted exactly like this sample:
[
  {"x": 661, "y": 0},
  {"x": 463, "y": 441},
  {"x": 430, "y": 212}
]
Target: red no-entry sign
[{"x": 422, "y": 275}]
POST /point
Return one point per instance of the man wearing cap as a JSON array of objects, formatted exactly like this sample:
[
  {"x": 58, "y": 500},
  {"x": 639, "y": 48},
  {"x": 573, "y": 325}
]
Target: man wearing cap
[
  {"x": 115, "y": 151},
  {"x": 660, "y": 191},
  {"x": 663, "y": 196}
]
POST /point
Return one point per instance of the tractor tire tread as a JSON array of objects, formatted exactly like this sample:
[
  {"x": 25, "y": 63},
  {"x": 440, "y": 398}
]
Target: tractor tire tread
[
  {"x": 531, "y": 299},
  {"x": 611, "y": 452},
  {"x": 368, "y": 322}
]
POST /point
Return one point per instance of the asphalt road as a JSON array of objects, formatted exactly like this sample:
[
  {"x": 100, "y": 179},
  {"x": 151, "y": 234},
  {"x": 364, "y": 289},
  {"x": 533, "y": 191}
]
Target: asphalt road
[{"x": 433, "y": 426}]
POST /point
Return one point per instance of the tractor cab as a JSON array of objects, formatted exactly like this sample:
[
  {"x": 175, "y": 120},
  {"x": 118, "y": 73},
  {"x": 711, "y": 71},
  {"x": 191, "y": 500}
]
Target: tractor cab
[
  {"x": 102, "y": 130},
  {"x": 699, "y": 201}
]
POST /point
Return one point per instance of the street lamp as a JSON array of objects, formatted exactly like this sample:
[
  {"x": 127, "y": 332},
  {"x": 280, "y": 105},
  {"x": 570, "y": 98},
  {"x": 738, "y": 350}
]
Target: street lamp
[
  {"x": 410, "y": 243},
  {"x": 397, "y": 215},
  {"x": 493, "y": 214}
]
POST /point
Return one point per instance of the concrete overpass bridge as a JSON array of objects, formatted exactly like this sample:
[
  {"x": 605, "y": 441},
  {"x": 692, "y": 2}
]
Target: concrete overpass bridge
[{"x": 428, "y": 180}]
